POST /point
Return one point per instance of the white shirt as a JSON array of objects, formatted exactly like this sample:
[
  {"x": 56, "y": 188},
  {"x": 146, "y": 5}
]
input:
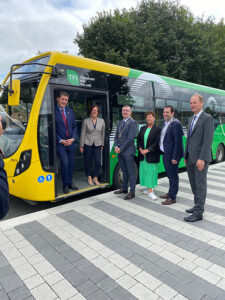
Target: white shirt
[
  {"x": 163, "y": 133},
  {"x": 196, "y": 119}
]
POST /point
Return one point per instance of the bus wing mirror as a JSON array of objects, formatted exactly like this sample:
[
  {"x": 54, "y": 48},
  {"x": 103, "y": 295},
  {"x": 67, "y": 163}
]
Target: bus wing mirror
[{"x": 14, "y": 93}]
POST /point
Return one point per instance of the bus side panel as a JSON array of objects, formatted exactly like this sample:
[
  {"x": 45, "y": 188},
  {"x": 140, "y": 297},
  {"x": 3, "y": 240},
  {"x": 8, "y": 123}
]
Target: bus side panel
[
  {"x": 218, "y": 138},
  {"x": 34, "y": 184}
]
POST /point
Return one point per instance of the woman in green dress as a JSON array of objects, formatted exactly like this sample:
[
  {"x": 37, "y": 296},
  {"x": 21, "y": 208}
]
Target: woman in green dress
[{"x": 149, "y": 154}]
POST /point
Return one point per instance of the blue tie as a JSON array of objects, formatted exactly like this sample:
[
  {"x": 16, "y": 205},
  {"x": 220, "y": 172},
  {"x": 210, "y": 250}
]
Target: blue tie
[
  {"x": 123, "y": 124},
  {"x": 192, "y": 125}
]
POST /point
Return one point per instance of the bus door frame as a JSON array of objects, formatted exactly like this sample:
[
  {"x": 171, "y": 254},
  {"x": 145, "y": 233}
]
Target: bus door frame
[{"x": 106, "y": 152}]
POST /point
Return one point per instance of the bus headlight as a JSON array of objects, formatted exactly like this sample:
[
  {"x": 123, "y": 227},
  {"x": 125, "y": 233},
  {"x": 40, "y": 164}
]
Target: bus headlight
[{"x": 24, "y": 162}]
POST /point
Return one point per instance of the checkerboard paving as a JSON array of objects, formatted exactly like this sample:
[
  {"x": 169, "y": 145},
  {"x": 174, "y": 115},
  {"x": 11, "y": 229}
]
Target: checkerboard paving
[{"x": 104, "y": 247}]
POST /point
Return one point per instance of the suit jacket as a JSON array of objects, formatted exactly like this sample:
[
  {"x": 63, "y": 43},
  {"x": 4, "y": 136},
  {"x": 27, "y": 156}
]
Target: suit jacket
[
  {"x": 200, "y": 142},
  {"x": 126, "y": 141},
  {"x": 152, "y": 144},
  {"x": 173, "y": 141},
  {"x": 60, "y": 125},
  {"x": 4, "y": 191},
  {"x": 91, "y": 135}
]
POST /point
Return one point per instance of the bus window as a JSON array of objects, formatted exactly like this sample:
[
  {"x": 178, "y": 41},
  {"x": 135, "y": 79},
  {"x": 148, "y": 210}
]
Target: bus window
[
  {"x": 17, "y": 118},
  {"x": 127, "y": 91}
]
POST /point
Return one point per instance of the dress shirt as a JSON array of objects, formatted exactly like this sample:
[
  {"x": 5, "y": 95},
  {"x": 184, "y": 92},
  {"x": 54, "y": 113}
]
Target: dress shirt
[
  {"x": 196, "y": 119},
  {"x": 163, "y": 133}
]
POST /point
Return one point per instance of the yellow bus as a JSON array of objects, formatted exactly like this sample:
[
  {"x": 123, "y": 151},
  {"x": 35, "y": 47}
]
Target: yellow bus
[{"x": 27, "y": 102}]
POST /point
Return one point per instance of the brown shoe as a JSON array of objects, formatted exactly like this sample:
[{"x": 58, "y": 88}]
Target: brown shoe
[
  {"x": 169, "y": 201},
  {"x": 166, "y": 196}
]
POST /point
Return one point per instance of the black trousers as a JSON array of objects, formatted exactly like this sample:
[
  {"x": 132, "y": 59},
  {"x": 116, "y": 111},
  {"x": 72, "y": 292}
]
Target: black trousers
[{"x": 92, "y": 160}]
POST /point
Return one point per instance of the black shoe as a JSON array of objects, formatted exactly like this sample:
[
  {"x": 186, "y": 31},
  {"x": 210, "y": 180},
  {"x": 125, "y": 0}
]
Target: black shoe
[
  {"x": 73, "y": 187},
  {"x": 194, "y": 218},
  {"x": 121, "y": 191},
  {"x": 189, "y": 210},
  {"x": 129, "y": 196},
  {"x": 66, "y": 190}
]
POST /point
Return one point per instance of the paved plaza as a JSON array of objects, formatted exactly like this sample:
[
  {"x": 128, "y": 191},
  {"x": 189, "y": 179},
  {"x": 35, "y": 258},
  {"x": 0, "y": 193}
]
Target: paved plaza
[{"x": 104, "y": 247}]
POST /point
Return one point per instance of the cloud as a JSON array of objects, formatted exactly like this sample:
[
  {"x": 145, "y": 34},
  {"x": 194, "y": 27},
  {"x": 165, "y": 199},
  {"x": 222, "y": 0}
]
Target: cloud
[{"x": 28, "y": 26}]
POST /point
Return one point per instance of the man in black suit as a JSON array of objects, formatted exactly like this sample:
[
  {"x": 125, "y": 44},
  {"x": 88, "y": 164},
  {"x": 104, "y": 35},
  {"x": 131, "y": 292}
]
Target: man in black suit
[
  {"x": 171, "y": 145},
  {"x": 200, "y": 132},
  {"x": 66, "y": 130},
  {"x": 4, "y": 189},
  {"x": 125, "y": 148}
]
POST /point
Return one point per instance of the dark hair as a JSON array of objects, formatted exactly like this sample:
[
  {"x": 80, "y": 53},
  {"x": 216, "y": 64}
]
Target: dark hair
[
  {"x": 93, "y": 106},
  {"x": 150, "y": 112},
  {"x": 171, "y": 108},
  {"x": 63, "y": 93}
]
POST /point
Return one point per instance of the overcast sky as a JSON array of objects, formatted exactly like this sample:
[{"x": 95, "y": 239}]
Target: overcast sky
[{"x": 31, "y": 25}]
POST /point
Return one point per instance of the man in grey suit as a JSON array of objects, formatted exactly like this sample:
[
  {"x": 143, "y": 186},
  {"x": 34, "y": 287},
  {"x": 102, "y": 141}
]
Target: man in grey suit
[
  {"x": 198, "y": 155},
  {"x": 125, "y": 148}
]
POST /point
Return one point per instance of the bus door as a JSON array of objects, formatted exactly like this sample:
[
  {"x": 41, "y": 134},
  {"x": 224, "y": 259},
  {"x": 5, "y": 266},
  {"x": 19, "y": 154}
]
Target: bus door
[{"x": 81, "y": 101}]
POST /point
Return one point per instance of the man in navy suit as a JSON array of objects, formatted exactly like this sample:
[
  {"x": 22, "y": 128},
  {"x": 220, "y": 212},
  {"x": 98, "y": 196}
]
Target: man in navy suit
[
  {"x": 66, "y": 130},
  {"x": 4, "y": 189},
  {"x": 125, "y": 148},
  {"x": 171, "y": 145}
]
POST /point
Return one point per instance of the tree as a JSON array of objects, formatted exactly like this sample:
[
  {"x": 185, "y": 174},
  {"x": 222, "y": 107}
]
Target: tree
[{"x": 161, "y": 37}]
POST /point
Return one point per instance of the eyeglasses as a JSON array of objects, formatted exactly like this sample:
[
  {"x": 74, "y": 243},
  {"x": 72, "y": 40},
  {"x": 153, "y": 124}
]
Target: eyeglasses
[{"x": 125, "y": 110}]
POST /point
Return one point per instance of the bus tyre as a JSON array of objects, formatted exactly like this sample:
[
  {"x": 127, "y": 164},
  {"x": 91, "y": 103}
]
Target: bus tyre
[
  {"x": 118, "y": 176},
  {"x": 220, "y": 153}
]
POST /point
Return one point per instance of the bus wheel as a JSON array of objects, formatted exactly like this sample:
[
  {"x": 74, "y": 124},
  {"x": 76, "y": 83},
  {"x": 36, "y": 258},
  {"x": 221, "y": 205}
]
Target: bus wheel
[
  {"x": 118, "y": 176},
  {"x": 220, "y": 153}
]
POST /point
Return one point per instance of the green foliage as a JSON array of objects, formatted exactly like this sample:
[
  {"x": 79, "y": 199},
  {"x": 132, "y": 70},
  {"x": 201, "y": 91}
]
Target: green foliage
[{"x": 161, "y": 37}]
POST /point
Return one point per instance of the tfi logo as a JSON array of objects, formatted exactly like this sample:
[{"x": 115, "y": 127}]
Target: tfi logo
[{"x": 72, "y": 77}]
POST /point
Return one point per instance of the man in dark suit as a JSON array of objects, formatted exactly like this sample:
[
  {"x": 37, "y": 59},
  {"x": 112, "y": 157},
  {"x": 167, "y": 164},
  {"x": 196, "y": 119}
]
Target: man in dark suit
[
  {"x": 198, "y": 155},
  {"x": 66, "y": 130},
  {"x": 4, "y": 189},
  {"x": 125, "y": 148},
  {"x": 171, "y": 145}
]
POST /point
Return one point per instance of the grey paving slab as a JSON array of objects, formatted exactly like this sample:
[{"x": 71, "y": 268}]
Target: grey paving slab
[
  {"x": 87, "y": 288},
  {"x": 209, "y": 185},
  {"x": 99, "y": 295},
  {"x": 209, "y": 194},
  {"x": 74, "y": 217},
  {"x": 121, "y": 294},
  {"x": 153, "y": 272},
  {"x": 21, "y": 293},
  {"x": 3, "y": 295},
  {"x": 11, "y": 282},
  {"x": 183, "y": 241},
  {"x": 107, "y": 284},
  {"x": 85, "y": 272}
]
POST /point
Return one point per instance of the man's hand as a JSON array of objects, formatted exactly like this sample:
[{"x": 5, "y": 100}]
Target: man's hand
[
  {"x": 200, "y": 164},
  {"x": 67, "y": 142},
  {"x": 117, "y": 149},
  {"x": 174, "y": 161}
]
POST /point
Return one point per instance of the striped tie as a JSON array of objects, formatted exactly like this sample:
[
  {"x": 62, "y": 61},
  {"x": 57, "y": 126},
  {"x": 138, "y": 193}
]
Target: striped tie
[{"x": 192, "y": 125}]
